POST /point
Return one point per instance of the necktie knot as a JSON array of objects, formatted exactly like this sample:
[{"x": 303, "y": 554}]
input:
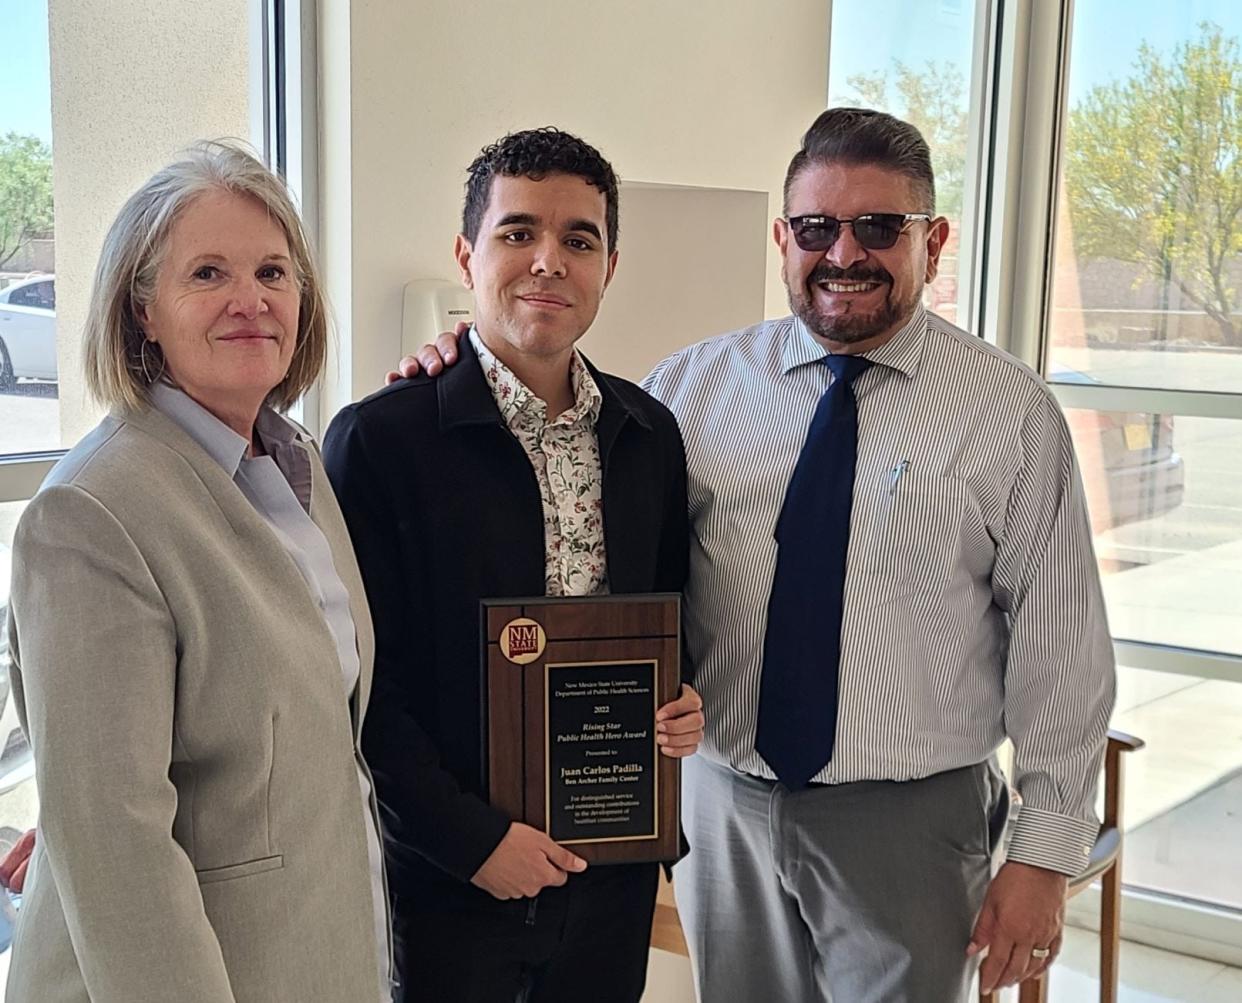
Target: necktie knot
[{"x": 847, "y": 367}]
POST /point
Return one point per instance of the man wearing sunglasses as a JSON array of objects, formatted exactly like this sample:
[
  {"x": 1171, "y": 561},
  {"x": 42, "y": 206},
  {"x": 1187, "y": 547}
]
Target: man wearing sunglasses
[
  {"x": 891, "y": 573},
  {"x": 920, "y": 587}
]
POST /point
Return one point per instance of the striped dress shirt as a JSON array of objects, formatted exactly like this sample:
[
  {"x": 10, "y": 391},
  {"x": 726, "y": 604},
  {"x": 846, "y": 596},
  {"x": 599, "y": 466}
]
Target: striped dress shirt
[{"x": 973, "y": 609}]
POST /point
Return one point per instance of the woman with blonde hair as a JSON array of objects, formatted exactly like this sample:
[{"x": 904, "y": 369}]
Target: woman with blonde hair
[{"x": 190, "y": 637}]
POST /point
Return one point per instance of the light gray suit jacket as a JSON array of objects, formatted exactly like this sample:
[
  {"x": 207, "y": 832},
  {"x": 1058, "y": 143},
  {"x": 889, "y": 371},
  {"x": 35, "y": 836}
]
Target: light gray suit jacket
[{"x": 200, "y": 833}]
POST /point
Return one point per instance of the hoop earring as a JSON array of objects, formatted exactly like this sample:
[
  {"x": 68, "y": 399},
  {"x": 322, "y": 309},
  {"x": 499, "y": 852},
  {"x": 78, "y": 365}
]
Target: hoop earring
[{"x": 142, "y": 355}]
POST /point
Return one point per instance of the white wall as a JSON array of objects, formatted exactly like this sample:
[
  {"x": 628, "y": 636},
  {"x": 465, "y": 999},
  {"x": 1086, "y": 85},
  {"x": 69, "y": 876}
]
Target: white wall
[
  {"x": 691, "y": 265},
  {"x": 673, "y": 92},
  {"x": 133, "y": 82}
]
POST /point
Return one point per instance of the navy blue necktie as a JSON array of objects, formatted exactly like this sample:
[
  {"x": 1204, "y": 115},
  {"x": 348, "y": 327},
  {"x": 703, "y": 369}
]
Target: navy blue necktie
[{"x": 802, "y": 647}]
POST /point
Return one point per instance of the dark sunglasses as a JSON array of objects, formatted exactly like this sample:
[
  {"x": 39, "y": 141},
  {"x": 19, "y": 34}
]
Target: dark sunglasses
[{"x": 876, "y": 231}]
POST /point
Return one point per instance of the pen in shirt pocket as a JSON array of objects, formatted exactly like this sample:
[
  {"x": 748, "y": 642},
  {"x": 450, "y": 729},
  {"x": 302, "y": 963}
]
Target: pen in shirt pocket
[{"x": 895, "y": 475}]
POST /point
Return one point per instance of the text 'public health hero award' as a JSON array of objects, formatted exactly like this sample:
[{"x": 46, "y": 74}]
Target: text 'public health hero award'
[{"x": 572, "y": 688}]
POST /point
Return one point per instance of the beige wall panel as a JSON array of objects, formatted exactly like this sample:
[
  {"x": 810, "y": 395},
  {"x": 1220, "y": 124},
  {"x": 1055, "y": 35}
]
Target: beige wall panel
[
  {"x": 674, "y": 92},
  {"x": 132, "y": 83},
  {"x": 659, "y": 301}
]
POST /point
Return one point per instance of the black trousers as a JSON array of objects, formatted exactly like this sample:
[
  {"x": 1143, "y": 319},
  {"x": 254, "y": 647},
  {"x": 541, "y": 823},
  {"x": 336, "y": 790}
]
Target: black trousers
[{"x": 585, "y": 942}]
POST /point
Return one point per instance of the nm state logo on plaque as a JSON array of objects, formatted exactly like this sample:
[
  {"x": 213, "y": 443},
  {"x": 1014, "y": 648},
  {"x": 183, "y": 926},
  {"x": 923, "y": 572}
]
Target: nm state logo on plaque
[{"x": 522, "y": 640}]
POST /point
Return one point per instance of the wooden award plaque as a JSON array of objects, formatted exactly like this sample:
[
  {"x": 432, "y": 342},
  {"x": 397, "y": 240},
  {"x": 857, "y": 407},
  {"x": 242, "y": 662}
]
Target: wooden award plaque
[{"x": 571, "y": 688}]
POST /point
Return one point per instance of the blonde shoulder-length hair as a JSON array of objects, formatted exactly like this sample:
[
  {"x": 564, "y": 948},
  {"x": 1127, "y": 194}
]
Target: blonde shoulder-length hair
[{"x": 118, "y": 373}]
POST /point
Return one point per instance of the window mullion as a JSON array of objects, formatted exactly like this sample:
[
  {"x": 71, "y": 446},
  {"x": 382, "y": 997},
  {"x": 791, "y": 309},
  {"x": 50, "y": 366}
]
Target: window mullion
[
  {"x": 1181, "y": 661},
  {"x": 1030, "y": 79},
  {"x": 1192, "y": 403},
  {"x": 21, "y": 475}
]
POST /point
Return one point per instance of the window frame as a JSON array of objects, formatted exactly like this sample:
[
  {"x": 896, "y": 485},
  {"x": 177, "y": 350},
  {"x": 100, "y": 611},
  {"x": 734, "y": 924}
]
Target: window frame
[
  {"x": 1031, "y": 110},
  {"x": 290, "y": 127},
  {"x": 1041, "y": 90},
  {"x": 283, "y": 39},
  {"x": 22, "y": 473}
]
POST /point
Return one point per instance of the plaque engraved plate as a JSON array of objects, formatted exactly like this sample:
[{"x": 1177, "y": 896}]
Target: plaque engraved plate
[{"x": 602, "y": 777}]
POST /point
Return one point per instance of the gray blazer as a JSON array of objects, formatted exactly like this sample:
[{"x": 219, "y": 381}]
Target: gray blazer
[{"x": 200, "y": 837}]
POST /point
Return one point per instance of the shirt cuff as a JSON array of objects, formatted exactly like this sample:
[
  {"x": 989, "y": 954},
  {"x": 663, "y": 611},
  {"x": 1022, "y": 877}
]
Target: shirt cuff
[{"x": 1055, "y": 842}]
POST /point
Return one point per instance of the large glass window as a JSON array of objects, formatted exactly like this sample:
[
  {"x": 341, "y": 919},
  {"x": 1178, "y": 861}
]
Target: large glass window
[
  {"x": 1183, "y": 792},
  {"x": 29, "y": 404},
  {"x": 1144, "y": 315},
  {"x": 1147, "y": 287},
  {"x": 915, "y": 61},
  {"x": 18, "y": 800},
  {"x": 29, "y": 412},
  {"x": 1166, "y": 507}
]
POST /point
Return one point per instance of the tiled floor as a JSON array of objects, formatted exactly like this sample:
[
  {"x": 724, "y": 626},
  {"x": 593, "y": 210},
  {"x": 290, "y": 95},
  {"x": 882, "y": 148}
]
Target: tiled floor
[{"x": 1147, "y": 976}]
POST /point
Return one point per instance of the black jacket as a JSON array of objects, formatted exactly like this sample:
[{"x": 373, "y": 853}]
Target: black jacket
[{"x": 444, "y": 510}]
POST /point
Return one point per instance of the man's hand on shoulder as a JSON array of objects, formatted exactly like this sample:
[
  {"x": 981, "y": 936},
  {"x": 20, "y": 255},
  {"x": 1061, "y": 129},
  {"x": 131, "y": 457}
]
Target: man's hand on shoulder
[
  {"x": 524, "y": 863},
  {"x": 431, "y": 359},
  {"x": 1023, "y": 912}
]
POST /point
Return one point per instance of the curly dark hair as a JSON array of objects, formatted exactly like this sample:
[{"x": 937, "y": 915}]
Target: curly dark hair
[
  {"x": 863, "y": 136},
  {"x": 536, "y": 153}
]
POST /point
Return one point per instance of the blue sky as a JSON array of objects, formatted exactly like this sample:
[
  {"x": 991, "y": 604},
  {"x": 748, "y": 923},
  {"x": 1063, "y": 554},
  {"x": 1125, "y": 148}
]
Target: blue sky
[
  {"x": 867, "y": 35},
  {"x": 25, "y": 88}
]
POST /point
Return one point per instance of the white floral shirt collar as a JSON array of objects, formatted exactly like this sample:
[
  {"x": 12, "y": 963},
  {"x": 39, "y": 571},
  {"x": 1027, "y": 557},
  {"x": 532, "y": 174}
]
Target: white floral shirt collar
[{"x": 518, "y": 403}]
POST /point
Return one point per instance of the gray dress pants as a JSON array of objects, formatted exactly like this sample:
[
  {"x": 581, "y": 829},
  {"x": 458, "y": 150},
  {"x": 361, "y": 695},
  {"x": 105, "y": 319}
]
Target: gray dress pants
[{"x": 853, "y": 893}]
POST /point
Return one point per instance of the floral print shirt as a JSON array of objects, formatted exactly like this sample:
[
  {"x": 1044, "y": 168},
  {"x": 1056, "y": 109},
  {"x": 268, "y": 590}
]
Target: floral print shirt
[{"x": 565, "y": 456}]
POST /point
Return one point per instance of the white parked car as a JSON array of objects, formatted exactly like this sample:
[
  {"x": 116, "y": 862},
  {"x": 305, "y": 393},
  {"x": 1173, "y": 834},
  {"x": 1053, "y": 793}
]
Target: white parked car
[{"x": 28, "y": 331}]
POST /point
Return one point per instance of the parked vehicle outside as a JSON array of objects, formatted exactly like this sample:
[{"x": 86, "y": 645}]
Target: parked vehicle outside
[
  {"x": 1130, "y": 470},
  {"x": 28, "y": 331}
]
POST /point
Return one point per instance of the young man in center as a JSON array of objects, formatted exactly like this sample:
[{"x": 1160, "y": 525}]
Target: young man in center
[{"x": 524, "y": 471}]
